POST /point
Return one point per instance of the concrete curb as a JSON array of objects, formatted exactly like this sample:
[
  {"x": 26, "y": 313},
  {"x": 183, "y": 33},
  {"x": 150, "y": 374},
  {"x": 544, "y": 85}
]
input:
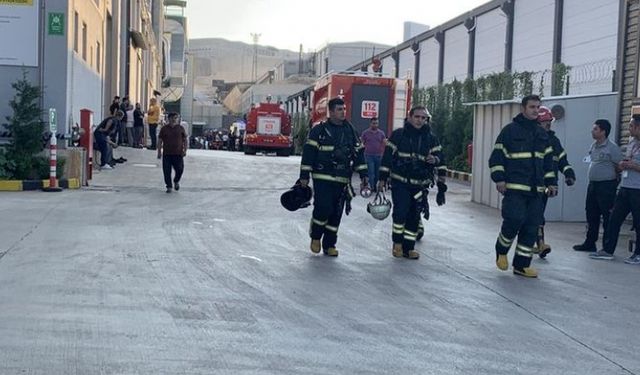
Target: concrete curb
[
  {"x": 460, "y": 176},
  {"x": 24, "y": 185}
]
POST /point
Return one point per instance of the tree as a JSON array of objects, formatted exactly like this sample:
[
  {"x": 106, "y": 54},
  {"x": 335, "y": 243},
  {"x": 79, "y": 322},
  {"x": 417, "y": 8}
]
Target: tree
[{"x": 26, "y": 128}]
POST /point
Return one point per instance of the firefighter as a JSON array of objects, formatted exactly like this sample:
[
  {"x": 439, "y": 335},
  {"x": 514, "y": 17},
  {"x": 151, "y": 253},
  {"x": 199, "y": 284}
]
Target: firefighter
[
  {"x": 560, "y": 163},
  {"x": 522, "y": 168},
  {"x": 330, "y": 155},
  {"x": 412, "y": 160}
]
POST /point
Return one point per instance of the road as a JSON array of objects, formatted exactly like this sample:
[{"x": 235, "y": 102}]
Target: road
[{"x": 122, "y": 278}]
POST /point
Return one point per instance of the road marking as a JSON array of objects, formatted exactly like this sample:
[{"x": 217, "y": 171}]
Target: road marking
[
  {"x": 146, "y": 165},
  {"x": 251, "y": 257},
  {"x": 219, "y": 220},
  {"x": 197, "y": 223}
]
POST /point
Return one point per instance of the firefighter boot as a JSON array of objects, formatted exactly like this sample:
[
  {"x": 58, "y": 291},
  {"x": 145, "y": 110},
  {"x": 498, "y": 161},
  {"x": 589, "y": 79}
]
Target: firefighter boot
[
  {"x": 315, "y": 246},
  {"x": 502, "y": 262},
  {"x": 543, "y": 248},
  {"x": 332, "y": 252},
  {"x": 526, "y": 272},
  {"x": 411, "y": 254},
  {"x": 397, "y": 250}
]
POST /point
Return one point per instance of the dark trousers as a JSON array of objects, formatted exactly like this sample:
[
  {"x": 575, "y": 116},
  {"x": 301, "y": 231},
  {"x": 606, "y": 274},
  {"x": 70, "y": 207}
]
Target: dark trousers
[
  {"x": 522, "y": 213},
  {"x": 373, "y": 167},
  {"x": 327, "y": 212},
  {"x": 103, "y": 147},
  {"x": 600, "y": 198},
  {"x": 152, "y": 134},
  {"x": 406, "y": 217},
  {"x": 627, "y": 200},
  {"x": 172, "y": 161},
  {"x": 137, "y": 135},
  {"x": 120, "y": 133}
]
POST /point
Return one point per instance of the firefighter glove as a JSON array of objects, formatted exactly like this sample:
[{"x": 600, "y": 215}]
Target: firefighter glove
[{"x": 440, "y": 197}]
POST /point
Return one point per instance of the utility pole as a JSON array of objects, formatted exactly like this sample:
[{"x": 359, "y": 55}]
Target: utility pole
[{"x": 254, "y": 67}]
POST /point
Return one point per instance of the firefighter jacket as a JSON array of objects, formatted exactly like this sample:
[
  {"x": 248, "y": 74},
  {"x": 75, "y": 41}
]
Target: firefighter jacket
[
  {"x": 523, "y": 157},
  {"x": 560, "y": 162},
  {"x": 332, "y": 153},
  {"x": 405, "y": 156}
]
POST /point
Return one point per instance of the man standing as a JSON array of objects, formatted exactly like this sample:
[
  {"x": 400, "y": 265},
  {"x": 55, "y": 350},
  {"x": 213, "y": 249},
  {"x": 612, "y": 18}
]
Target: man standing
[
  {"x": 138, "y": 126},
  {"x": 115, "y": 105},
  {"x": 603, "y": 159},
  {"x": 172, "y": 147},
  {"x": 374, "y": 142},
  {"x": 411, "y": 158},
  {"x": 560, "y": 164},
  {"x": 522, "y": 168},
  {"x": 153, "y": 118},
  {"x": 627, "y": 200},
  {"x": 331, "y": 154}
]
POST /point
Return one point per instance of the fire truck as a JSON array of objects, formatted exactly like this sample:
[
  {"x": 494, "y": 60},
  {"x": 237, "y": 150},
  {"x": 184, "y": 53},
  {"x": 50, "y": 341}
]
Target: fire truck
[
  {"x": 366, "y": 95},
  {"x": 268, "y": 130}
]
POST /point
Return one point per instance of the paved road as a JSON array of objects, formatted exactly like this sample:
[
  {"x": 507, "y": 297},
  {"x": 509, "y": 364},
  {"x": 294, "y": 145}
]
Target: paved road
[{"x": 122, "y": 278}]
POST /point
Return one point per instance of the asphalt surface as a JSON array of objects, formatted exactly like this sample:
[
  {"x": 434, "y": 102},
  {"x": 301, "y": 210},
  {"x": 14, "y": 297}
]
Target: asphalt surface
[{"x": 122, "y": 278}]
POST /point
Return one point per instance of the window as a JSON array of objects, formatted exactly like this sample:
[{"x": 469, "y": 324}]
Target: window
[
  {"x": 84, "y": 41},
  {"x": 75, "y": 32},
  {"x": 98, "y": 59}
]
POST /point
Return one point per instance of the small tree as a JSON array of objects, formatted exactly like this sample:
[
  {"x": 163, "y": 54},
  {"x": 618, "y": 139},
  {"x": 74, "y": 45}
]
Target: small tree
[{"x": 26, "y": 128}]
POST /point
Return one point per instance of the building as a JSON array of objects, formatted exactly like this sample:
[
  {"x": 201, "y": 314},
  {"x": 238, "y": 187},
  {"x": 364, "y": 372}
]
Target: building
[
  {"x": 81, "y": 53},
  {"x": 628, "y": 64},
  {"x": 341, "y": 56}
]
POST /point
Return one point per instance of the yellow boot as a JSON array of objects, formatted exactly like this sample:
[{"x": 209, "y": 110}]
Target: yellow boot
[
  {"x": 526, "y": 272},
  {"x": 412, "y": 254},
  {"x": 397, "y": 250},
  {"x": 332, "y": 252},
  {"x": 502, "y": 262},
  {"x": 315, "y": 246}
]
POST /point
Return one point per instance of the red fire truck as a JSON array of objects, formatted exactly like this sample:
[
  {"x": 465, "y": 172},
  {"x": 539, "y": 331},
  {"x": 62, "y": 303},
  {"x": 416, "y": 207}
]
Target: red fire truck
[
  {"x": 268, "y": 130},
  {"x": 366, "y": 95}
]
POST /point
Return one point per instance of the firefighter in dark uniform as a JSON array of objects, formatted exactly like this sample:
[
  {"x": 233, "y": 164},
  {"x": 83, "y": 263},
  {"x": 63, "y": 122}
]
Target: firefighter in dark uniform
[
  {"x": 411, "y": 162},
  {"x": 332, "y": 152},
  {"x": 560, "y": 164},
  {"x": 522, "y": 168}
]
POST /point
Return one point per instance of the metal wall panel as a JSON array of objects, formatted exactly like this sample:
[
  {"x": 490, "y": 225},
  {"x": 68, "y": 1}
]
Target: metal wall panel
[
  {"x": 491, "y": 31},
  {"x": 407, "y": 62},
  {"x": 456, "y": 54},
  {"x": 533, "y": 35},
  {"x": 589, "y": 43},
  {"x": 388, "y": 65},
  {"x": 429, "y": 58}
]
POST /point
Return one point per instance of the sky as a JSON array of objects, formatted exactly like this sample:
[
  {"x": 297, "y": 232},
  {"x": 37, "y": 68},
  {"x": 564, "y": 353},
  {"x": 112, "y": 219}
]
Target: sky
[{"x": 285, "y": 24}]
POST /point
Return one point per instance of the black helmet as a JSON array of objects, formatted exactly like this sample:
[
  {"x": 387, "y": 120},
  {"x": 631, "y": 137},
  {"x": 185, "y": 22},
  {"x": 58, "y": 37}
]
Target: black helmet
[{"x": 297, "y": 197}]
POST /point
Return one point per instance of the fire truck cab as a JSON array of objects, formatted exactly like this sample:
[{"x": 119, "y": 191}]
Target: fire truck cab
[{"x": 366, "y": 95}]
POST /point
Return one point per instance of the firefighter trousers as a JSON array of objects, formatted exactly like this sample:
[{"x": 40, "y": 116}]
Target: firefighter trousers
[
  {"x": 328, "y": 205},
  {"x": 522, "y": 214},
  {"x": 406, "y": 216}
]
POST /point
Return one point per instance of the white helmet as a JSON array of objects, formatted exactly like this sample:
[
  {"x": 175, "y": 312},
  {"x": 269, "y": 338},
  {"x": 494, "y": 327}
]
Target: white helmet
[{"x": 380, "y": 208}]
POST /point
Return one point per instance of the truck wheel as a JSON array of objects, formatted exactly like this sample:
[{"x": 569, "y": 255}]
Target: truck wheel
[
  {"x": 249, "y": 151},
  {"x": 283, "y": 152}
]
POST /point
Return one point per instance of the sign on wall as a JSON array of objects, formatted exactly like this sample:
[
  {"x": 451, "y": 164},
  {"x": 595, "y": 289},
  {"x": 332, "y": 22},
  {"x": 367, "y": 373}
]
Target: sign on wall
[
  {"x": 19, "y": 28},
  {"x": 56, "y": 23}
]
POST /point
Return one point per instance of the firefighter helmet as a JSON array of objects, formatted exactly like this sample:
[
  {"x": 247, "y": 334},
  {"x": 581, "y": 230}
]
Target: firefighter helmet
[
  {"x": 297, "y": 197},
  {"x": 380, "y": 207},
  {"x": 544, "y": 114}
]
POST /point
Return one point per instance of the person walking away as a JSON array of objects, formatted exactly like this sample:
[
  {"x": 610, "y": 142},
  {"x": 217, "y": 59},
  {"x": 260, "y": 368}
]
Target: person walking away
[
  {"x": 374, "y": 141},
  {"x": 153, "y": 117},
  {"x": 604, "y": 157},
  {"x": 411, "y": 160},
  {"x": 627, "y": 200},
  {"x": 560, "y": 164},
  {"x": 172, "y": 148},
  {"x": 522, "y": 168},
  {"x": 330, "y": 155}
]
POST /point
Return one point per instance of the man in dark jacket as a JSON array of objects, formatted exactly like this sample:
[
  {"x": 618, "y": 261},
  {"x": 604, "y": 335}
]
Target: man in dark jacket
[
  {"x": 412, "y": 159},
  {"x": 522, "y": 168},
  {"x": 332, "y": 152},
  {"x": 560, "y": 164}
]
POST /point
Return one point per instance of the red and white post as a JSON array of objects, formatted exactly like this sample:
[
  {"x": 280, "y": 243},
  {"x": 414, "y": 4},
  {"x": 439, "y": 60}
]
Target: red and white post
[{"x": 53, "y": 149}]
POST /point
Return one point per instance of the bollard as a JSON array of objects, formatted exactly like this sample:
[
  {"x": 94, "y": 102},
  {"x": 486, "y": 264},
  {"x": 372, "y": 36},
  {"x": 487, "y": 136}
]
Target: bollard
[{"x": 53, "y": 144}]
